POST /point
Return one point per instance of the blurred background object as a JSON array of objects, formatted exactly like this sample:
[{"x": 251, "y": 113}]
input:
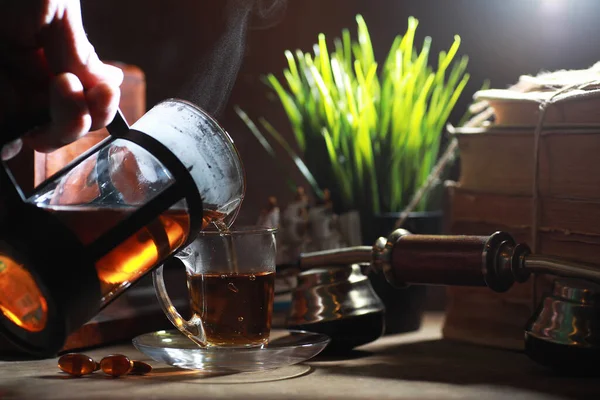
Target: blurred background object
[{"x": 170, "y": 41}]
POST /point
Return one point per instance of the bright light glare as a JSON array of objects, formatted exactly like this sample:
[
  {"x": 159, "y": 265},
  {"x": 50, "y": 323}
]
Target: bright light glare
[{"x": 554, "y": 6}]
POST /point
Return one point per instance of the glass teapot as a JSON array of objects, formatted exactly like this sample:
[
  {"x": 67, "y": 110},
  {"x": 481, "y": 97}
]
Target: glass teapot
[{"x": 109, "y": 217}]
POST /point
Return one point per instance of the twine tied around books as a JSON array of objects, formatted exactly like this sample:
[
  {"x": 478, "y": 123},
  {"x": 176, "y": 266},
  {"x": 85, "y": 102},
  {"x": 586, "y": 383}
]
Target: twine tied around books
[{"x": 562, "y": 95}]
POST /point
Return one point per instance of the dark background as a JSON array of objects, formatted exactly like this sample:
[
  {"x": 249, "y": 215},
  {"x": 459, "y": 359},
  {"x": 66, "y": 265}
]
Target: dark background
[{"x": 173, "y": 41}]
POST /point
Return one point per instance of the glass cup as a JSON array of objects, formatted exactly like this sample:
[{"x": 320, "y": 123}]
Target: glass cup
[{"x": 230, "y": 279}]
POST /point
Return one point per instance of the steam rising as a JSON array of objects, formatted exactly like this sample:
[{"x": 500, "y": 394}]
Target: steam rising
[
  {"x": 214, "y": 75},
  {"x": 268, "y": 13}
]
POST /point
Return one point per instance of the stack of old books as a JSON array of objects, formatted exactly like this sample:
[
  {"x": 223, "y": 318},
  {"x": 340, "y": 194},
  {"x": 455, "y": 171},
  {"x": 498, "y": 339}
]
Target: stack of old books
[{"x": 508, "y": 154}]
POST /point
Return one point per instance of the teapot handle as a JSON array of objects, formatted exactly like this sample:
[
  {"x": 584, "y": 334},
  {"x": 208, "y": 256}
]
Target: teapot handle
[{"x": 15, "y": 127}]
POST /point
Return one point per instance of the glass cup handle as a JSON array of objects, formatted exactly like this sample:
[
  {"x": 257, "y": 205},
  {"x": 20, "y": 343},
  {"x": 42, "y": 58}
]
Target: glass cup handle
[{"x": 193, "y": 327}]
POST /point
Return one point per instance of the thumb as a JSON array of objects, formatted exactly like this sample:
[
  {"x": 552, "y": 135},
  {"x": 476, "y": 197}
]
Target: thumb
[{"x": 68, "y": 49}]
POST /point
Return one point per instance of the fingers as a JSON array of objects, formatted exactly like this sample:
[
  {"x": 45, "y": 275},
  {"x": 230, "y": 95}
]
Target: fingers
[
  {"x": 70, "y": 115},
  {"x": 68, "y": 50},
  {"x": 84, "y": 92},
  {"x": 103, "y": 102},
  {"x": 74, "y": 111}
]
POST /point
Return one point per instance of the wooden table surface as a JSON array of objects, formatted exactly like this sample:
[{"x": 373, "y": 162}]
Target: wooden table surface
[{"x": 412, "y": 366}]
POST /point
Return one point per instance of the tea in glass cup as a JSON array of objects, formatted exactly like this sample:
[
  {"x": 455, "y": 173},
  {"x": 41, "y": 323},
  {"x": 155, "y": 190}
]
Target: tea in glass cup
[{"x": 230, "y": 280}]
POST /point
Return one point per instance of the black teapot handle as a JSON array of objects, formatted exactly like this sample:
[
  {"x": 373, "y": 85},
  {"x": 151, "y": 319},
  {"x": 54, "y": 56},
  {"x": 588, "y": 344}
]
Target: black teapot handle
[{"x": 16, "y": 126}]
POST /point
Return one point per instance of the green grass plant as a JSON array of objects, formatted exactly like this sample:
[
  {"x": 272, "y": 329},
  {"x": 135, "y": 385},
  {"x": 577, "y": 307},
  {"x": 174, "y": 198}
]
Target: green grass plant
[{"x": 369, "y": 132}]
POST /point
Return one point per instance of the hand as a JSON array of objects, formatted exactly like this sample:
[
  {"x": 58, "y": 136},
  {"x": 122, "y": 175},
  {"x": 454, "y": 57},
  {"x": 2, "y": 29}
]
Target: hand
[{"x": 46, "y": 61}]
